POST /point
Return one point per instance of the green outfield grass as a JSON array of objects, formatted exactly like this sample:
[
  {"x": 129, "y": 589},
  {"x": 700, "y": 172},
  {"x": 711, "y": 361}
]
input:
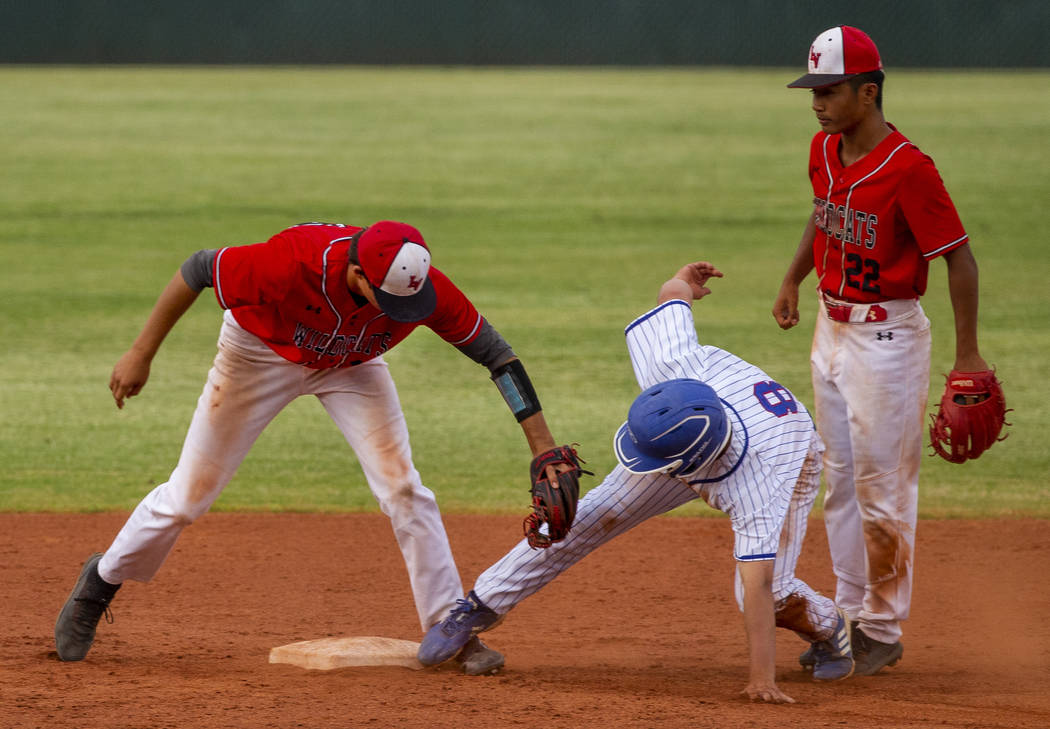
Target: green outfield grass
[{"x": 558, "y": 200}]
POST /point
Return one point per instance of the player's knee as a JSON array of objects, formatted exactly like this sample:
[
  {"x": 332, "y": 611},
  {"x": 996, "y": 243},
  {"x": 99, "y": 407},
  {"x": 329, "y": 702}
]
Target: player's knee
[
  {"x": 793, "y": 612},
  {"x": 177, "y": 514},
  {"x": 405, "y": 494},
  {"x": 179, "y": 506},
  {"x": 185, "y": 513},
  {"x": 609, "y": 519}
]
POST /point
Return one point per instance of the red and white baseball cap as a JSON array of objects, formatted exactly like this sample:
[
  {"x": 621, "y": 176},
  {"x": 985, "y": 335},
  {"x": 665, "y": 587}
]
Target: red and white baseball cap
[
  {"x": 837, "y": 54},
  {"x": 396, "y": 262}
]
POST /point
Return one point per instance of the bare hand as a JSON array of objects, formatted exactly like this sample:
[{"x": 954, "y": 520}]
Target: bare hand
[
  {"x": 129, "y": 376},
  {"x": 696, "y": 275},
  {"x": 785, "y": 308},
  {"x": 689, "y": 284},
  {"x": 767, "y": 692}
]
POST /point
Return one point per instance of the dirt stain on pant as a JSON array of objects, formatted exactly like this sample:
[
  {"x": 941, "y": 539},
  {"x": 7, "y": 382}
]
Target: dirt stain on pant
[
  {"x": 888, "y": 553},
  {"x": 889, "y": 565},
  {"x": 791, "y": 614}
]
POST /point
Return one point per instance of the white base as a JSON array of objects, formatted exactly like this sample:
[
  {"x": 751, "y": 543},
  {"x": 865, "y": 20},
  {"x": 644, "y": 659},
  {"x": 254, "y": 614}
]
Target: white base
[{"x": 325, "y": 654}]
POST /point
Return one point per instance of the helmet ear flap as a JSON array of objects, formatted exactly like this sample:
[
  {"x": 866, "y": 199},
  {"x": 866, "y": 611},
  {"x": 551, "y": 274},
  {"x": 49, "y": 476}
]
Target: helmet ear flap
[{"x": 714, "y": 454}]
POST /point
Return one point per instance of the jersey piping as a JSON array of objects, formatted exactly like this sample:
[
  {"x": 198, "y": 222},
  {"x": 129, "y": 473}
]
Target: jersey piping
[
  {"x": 218, "y": 280},
  {"x": 947, "y": 247},
  {"x": 328, "y": 300},
  {"x": 477, "y": 325}
]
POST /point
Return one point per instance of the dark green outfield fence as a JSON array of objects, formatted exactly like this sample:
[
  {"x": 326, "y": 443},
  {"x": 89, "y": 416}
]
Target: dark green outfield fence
[{"x": 918, "y": 33}]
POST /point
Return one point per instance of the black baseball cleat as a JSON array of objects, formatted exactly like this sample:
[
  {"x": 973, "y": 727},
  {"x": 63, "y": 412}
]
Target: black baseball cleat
[
  {"x": 872, "y": 656},
  {"x": 85, "y": 606},
  {"x": 477, "y": 659}
]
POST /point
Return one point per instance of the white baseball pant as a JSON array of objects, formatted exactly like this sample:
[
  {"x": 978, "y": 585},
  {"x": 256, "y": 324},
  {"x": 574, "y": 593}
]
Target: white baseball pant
[
  {"x": 247, "y": 386},
  {"x": 870, "y": 385}
]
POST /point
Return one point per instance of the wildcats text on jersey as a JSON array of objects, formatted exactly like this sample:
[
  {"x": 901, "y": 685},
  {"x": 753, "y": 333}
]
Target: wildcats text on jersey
[
  {"x": 324, "y": 343},
  {"x": 848, "y": 226}
]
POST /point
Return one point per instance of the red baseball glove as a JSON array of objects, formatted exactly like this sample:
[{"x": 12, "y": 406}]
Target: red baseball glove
[
  {"x": 970, "y": 416},
  {"x": 553, "y": 503}
]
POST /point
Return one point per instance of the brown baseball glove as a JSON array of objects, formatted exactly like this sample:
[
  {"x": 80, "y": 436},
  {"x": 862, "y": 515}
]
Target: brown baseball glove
[
  {"x": 970, "y": 416},
  {"x": 553, "y": 503}
]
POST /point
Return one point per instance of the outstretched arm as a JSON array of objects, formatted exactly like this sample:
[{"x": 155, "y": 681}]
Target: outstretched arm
[
  {"x": 132, "y": 369},
  {"x": 760, "y": 622},
  {"x": 537, "y": 433},
  {"x": 785, "y": 308},
  {"x": 689, "y": 284},
  {"x": 554, "y": 471},
  {"x": 962, "y": 288},
  {"x": 514, "y": 384},
  {"x": 490, "y": 349}
]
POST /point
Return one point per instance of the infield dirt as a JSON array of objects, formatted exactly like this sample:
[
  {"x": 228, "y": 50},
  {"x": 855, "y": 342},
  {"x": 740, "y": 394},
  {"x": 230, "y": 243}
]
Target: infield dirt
[{"x": 642, "y": 633}]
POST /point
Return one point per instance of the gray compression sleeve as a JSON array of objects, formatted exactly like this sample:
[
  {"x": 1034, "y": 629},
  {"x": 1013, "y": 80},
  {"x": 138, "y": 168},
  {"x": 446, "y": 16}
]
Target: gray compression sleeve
[
  {"x": 488, "y": 348},
  {"x": 197, "y": 269}
]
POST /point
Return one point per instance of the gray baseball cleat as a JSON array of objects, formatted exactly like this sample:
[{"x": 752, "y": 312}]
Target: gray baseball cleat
[
  {"x": 86, "y": 604},
  {"x": 477, "y": 659},
  {"x": 872, "y": 655}
]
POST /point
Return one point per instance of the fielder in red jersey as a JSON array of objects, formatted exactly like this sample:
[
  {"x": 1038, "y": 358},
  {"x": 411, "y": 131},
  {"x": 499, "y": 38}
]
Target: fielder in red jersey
[
  {"x": 880, "y": 214},
  {"x": 880, "y": 219},
  {"x": 308, "y": 312},
  {"x": 288, "y": 292}
]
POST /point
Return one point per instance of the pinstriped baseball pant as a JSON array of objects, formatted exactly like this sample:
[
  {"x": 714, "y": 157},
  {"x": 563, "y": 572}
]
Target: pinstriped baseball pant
[
  {"x": 247, "y": 386},
  {"x": 624, "y": 500}
]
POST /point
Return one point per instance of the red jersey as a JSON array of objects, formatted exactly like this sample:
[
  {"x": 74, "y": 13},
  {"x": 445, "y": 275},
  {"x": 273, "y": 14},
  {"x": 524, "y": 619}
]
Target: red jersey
[
  {"x": 291, "y": 292},
  {"x": 879, "y": 221}
]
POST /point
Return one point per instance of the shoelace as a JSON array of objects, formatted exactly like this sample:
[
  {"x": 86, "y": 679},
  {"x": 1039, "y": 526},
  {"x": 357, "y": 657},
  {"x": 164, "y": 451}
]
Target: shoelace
[
  {"x": 463, "y": 606},
  {"x": 104, "y": 603},
  {"x": 457, "y": 615}
]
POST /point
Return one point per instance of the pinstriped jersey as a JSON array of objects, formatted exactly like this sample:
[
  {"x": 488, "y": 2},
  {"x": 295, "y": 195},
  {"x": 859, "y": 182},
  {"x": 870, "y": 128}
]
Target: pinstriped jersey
[
  {"x": 754, "y": 480},
  {"x": 879, "y": 221},
  {"x": 291, "y": 292}
]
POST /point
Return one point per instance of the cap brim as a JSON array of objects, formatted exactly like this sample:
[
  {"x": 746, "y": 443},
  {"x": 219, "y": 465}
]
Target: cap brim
[
  {"x": 819, "y": 80},
  {"x": 634, "y": 460},
  {"x": 408, "y": 308}
]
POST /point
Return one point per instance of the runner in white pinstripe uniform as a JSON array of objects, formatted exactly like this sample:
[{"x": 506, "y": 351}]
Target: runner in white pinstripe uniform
[{"x": 765, "y": 478}]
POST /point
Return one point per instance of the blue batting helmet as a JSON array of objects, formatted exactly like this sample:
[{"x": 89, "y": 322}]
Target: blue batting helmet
[{"x": 674, "y": 427}]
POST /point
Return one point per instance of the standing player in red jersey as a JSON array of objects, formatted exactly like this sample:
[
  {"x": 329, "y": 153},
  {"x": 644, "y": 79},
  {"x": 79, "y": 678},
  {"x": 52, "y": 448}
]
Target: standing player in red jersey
[
  {"x": 881, "y": 213},
  {"x": 308, "y": 312}
]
